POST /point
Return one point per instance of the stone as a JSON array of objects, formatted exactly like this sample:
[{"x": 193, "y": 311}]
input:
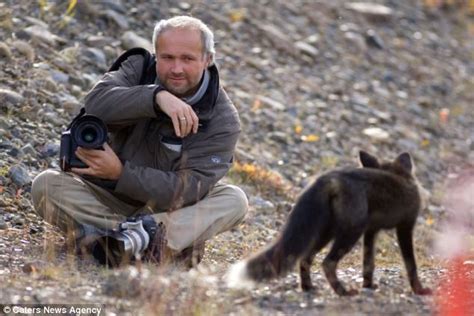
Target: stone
[
  {"x": 19, "y": 175},
  {"x": 275, "y": 105},
  {"x": 28, "y": 149},
  {"x": 376, "y": 133},
  {"x": 11, "y": 97},
  {"x": 307, "y": 49},
  {"x": 25, "y": 49},
  {"x": 130, "y": 40},
  {"x": 49, "y": 150},
  {"x": 374, "y": 40},
  {"x": 373, "y": 11},
  {"x": 118, "y": 19},
  {"x": 95, "y": 56},
  {"x": 5, "y": 52},
  {"x": 43, "y": 35}
]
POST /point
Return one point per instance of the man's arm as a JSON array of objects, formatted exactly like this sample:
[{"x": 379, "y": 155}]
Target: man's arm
[{"x": 118, "y": 99}]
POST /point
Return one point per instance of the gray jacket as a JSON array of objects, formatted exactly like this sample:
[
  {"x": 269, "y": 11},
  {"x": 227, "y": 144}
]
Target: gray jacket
[{"x": 161, "y": 170}]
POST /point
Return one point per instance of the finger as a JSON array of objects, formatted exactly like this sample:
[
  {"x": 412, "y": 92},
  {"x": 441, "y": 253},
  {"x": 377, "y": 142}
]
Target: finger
[
  {"x": 84, "y": 171},
  {"x": 176, "y": 125},
  {"x": 189, "y": 123},
  {"x": 195, "y": 120},
  {"x": 90, "y": 162},
  {"x": 183, "y": 123},
  {"x": 89, "y": 153}
]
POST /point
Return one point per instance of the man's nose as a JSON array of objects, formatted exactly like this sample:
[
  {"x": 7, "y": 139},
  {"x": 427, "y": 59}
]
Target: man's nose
[{"x": 177, "y": 67}]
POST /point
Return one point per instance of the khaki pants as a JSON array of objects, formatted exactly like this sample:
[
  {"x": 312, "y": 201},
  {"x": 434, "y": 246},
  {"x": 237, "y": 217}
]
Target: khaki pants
[{"x": 63, "y": 199}]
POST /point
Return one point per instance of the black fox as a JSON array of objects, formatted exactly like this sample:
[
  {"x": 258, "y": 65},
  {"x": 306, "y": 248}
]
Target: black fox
[{"x": 342, "y": 205}]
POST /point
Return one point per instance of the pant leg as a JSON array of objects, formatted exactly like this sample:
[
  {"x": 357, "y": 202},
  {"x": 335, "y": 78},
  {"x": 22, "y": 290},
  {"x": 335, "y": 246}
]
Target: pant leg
[
  {"x": 63, "y": 199},
  {"x": 223, "y": 208}
]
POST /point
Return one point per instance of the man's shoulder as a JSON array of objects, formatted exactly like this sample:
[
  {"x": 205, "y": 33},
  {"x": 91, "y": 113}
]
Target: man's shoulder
[
  {"x": 138, "y": 61},
  {"x": 225, "y": 108}
]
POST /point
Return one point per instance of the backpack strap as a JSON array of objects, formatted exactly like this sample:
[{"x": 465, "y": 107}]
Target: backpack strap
[
  {"x": 78, "y": 116},
  {"x": 148, "y": 72}
]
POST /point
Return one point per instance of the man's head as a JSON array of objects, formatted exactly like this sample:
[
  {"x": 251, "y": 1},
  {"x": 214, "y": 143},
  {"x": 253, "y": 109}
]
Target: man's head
[{"x": 184, "y": 48}]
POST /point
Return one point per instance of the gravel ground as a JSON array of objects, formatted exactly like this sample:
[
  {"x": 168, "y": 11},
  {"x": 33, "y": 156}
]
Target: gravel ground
[{"x": 314, "y": 82}]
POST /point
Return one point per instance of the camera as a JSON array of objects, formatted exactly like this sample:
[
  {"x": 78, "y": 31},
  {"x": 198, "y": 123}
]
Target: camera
[
  {"x": 126, "y": 243},
  {"x": 86, "y": 131}
]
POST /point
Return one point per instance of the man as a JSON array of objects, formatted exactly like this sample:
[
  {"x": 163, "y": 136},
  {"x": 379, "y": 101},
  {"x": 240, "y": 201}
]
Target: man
[{"x": 172, "y": 140}]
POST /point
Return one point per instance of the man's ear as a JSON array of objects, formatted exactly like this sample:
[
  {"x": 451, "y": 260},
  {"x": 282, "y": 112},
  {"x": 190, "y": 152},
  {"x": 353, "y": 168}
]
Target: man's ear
[
  {"x": 208, "y": 60},
  {"x": 367, "y": 160},
  {"x": 404, "y": 160}
]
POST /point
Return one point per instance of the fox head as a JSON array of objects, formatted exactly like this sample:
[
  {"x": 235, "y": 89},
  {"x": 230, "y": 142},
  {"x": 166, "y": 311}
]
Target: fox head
[{"x": 402, "y": 165}]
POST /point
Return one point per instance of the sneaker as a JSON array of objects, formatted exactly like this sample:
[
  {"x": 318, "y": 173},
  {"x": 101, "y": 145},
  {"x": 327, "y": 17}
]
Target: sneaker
[
  {"x": 155, "y": 251},
  {"x": 191, "y": 256}
]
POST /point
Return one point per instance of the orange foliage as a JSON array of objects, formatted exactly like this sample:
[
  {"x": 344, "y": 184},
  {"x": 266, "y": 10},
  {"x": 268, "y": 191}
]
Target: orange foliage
[{"x": 265, "y": 180}]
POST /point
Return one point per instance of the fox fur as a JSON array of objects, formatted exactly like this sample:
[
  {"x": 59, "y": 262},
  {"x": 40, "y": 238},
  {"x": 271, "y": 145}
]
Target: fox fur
[{"x": 341, "y": 206}]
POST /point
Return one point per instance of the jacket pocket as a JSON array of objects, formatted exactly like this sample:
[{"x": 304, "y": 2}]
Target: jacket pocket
[{"x": 168, "y": 153}]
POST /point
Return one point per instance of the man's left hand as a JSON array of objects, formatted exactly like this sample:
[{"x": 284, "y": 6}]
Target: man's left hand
[{"x": 103, "y": 164}]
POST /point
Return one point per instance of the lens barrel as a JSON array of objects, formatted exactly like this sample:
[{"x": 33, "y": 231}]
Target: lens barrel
[{"x": 89, "y": 132}]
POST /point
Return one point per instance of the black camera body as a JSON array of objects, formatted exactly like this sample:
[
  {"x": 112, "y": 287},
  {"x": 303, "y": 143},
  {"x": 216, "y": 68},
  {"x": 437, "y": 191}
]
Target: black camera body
[{"x": 87, "y": 131}]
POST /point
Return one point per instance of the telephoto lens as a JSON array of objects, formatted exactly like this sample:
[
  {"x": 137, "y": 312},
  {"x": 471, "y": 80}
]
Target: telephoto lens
[{"x": 125, "y": 244}]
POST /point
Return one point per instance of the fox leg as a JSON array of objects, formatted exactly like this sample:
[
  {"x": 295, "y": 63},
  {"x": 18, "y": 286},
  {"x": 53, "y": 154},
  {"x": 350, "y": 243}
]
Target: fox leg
[
  {"x": 341, "y": 246},
  {"x": 305, "y": 264},
  {"x": 368, "y": 259},
  {"x": 405, "y": 240},
  {"x": 305, "y": 273}
]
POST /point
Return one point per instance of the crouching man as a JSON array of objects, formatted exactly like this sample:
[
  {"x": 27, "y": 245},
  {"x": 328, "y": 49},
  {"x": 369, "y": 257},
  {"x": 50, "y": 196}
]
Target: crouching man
[{"x": 173, "y": 132}]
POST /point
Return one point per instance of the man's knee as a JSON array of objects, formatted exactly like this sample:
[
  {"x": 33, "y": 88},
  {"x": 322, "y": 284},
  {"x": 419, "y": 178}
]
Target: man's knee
[
  {"x": 238, "y": 201},
  {"x": 43, "y": 188}
]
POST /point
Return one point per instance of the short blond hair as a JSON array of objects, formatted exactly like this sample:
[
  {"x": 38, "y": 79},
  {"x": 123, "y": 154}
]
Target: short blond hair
[{"x": 187, "y": 22}]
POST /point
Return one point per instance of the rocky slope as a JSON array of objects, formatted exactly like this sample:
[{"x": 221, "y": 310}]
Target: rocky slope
[{"x": 314, "y": 82}]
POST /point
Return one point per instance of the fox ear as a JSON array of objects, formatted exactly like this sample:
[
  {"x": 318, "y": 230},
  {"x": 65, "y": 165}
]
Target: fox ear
[
  {"x": 405, "y": 161},
  {"x": 367, "y": 160}
]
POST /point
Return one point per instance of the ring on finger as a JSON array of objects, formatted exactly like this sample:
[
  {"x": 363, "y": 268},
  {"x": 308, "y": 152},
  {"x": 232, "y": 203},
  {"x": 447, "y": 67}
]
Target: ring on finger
[{"x": 182, "y": 118}]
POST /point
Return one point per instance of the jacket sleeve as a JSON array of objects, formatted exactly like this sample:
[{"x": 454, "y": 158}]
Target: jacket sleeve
[
  {"x": 118, "y": 99},
  {"x": 205, "y": 161}
]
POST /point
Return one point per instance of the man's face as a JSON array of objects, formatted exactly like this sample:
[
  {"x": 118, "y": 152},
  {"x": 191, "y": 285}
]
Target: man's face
[{"x": 180, "y": 61}]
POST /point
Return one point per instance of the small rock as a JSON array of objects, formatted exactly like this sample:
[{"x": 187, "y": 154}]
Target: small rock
[
  {"x": 98, "y": 41},
  {"x": 3, "y": 224},
  {"x": 25, "y": 49},
  {"x": 275, "y": 105},
  {"x": 376, "y": 133},
  {"x": 130, "y": 39},
  {"x": 17, "y": 220},
  {"x": 42, "y": 35},
  {"x": 95, "y": 56},
  {"x": 59, "y": 76},
  {"x": 374, "y": 12},
  {"x": 374, "y": 40},
  {"x": 49, "y": 150},
  {"x": 8, "y": 96},
  {"x": 19, "y": 175},
  {"x": 307, "y": 49},
  {"x": 119, "y": 19},
  {"x": 28, "y": 149},
  {"x": 5, "y": 52},
  {"x": 356, "y": 39}
]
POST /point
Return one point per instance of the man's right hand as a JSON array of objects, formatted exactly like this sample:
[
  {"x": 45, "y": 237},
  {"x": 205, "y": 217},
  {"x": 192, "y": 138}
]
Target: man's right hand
[{"x": 182, "y": 114}]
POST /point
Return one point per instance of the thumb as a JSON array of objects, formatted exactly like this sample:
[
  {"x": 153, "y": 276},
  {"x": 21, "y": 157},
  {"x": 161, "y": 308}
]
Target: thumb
[{"x": 107, "y": 147}]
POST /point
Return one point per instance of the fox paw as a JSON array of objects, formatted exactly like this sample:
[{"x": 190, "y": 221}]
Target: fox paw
[
  {"x": 423, "y": 291},
  {"x": 350, "y": 292},
  {"x": 308, "y": 287},
  {"x": 371, "y": 286}
]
